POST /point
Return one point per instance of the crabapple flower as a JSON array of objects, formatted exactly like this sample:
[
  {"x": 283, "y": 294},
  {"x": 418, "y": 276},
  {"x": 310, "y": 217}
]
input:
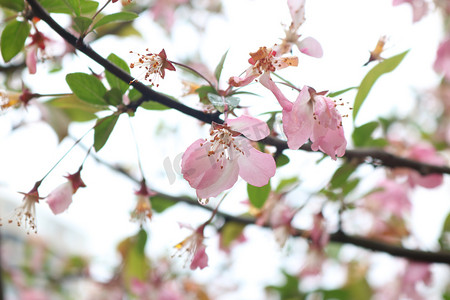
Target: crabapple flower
[
  {"x": 143, "y": 210},
  {"x": 308, "y": 45},
  {"x": 155, "y": 65},
  {"x": 60, "y": 198},
  {"x": 194, "y": 247},
  {"x": 392, "y": 198},
  {"x": 415, "y": 272},
  {"x": 312, "y": 116},
  {"x": 420, "y": 7},
  {"x": 427, "y": 154},
  {"x": 212, "y": 166},
  {"x": 442, "y": 62},
  {"x": 376, "y": 53},
  {"x": 38, "y": 43},
  {"x": 263, "y": 61},
  {"x": 26, "y": 213}
]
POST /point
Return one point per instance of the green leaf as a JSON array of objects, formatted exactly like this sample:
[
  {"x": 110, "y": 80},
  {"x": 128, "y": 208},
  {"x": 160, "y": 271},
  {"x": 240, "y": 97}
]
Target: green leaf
[
  {"x": 386, "y": 66},
  {"x": 219, "y": 67},
  {"x": 102, "y": 131},
  {"x": 76, "y": 109},
  {"x": 13, "y": 38},
  {"x": 350, "y": 186},
  {"x": 290, "y": 290},
  {"x": 282, "y": 160},
  {"x": 160, "y": 204},
  {"x": 87, "y": 87},
  {"x": 62, "y": 7},
  {"x": 203, "y": 92},
  {"x": 113, "y": 97},
  {"x": 114, "y": 81},
  {"x": 75, "y": 6},
  {"x": 17, "y": 5},
  {"x": 116, "y": 17},
  {"x": 362, "y": 134},
  {"x": 218, "y": 101},
  {"x": 258, "y": 195},
  {"x": 287, "y": 184},
  {"x": 152, "y": 105},
  {"x": 341, "y": 175},
  {"x": 230, "y": 232},
  {"x": 337, "y": 93},
  {"x": 81, "y": 24},
  {"x": 135, "y": 262},
  {"x": 444, "y": 238}
]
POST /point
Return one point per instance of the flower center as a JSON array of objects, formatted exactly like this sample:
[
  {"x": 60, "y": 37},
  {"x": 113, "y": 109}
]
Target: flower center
[{"x": 152, "y": 63}]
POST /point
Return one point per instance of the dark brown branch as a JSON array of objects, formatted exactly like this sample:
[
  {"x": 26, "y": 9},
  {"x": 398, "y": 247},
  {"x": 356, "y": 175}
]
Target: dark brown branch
[{"x": 374, "y": 156}]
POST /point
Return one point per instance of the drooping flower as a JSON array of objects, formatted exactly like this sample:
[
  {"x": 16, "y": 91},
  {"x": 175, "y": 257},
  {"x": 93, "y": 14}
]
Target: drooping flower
[
  {"x": 442, "y": 63},
  {"x": 212, "y": 166},
  {"x": 308, "y": 45},
  {"x": 376, "y": 53},
  {"x": 194, "y": 247},
  {"x": 38, "y": 43},
  {"x": 26, "y": 213},
  {"x": 60, "y": 198},
  {"x": 143, "y": 209},
  {"x": 312, "y": 116},
  {"x": 263, "y": 61},
  {"x": 415, "y": 272},
  {"x": 419, "y": 7},
  {"x": 13, "y": 99},
  {"x": 155, "y": 66}
]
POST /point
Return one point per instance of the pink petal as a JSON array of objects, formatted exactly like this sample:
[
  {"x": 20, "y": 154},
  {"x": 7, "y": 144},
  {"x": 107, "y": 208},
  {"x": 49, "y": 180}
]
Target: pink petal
[
  {"x": 311, "y": 47},
  {"x": 200, "y": 259},
  {"x": 60, "y": 198},
  {"x": 266, "y": 81},
  {"x": 255, "y": 167},
  {"x": 250, "y": 75},
  {"x": 298, "y": 123},
  {"x": 297, "y": 10},
  {"x": 31, "y": 59},
  {"x": 219, "y": 179},
  {"x": 254, "y": 129}
]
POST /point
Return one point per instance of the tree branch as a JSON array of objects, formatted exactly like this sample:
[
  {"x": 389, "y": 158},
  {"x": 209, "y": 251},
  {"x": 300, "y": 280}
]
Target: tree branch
[{"x": 338, "y": 237}]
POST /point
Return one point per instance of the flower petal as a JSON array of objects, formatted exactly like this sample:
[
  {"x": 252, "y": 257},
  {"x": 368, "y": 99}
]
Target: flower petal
[
  {"x": 310, "y": 46},
  {"x": 60, "y": 198},
  {"x": 255, "y": 167},
  {"x": 253, "y": 128},
  {"x": 200, "y": 259},
  {"x": 266, "y": 81}
]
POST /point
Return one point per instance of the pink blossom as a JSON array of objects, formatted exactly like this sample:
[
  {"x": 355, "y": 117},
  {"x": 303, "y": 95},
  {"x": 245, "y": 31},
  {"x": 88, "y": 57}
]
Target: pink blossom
[
  {"x": 143, "y": 210},
  {"x": 420, "y": 7},
  {"x": 164, "y": 11},
  {"x": 312, "y": 116},
  {"x": 442, "y": 62},
  {"x": 392, "y": 198},
  {"x": 60, "y": 198},
  {"x": 26, "y": 213},
  {"x": 415, "y": 272},
  {"x": 155, "y": 66},
  {"x": 212, "y": 166},
  {"x": 263, "y": 61},
  {"x": 427, "y": 154},
  {"x": 38, "y": 42},
  {"x": 308, "y": 45},
  {"x": 194, "y": 247}
]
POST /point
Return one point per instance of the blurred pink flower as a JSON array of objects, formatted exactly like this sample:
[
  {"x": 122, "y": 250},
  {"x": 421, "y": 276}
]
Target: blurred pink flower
[
  {"x": 442, "y": 63},
  {"x": 212, "y": 166},
  {"x": 164, "y": 12},
  {"x": 60, "y": 198},
  {"x": 427, "y": 154},
  {"x": 415, "y": 272},
  {"x": 392, "y": 198},
  {"x": 313, "y": 116},
  {"x": 194, "y": 247},
  {"x": 420, "y": 7}
]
